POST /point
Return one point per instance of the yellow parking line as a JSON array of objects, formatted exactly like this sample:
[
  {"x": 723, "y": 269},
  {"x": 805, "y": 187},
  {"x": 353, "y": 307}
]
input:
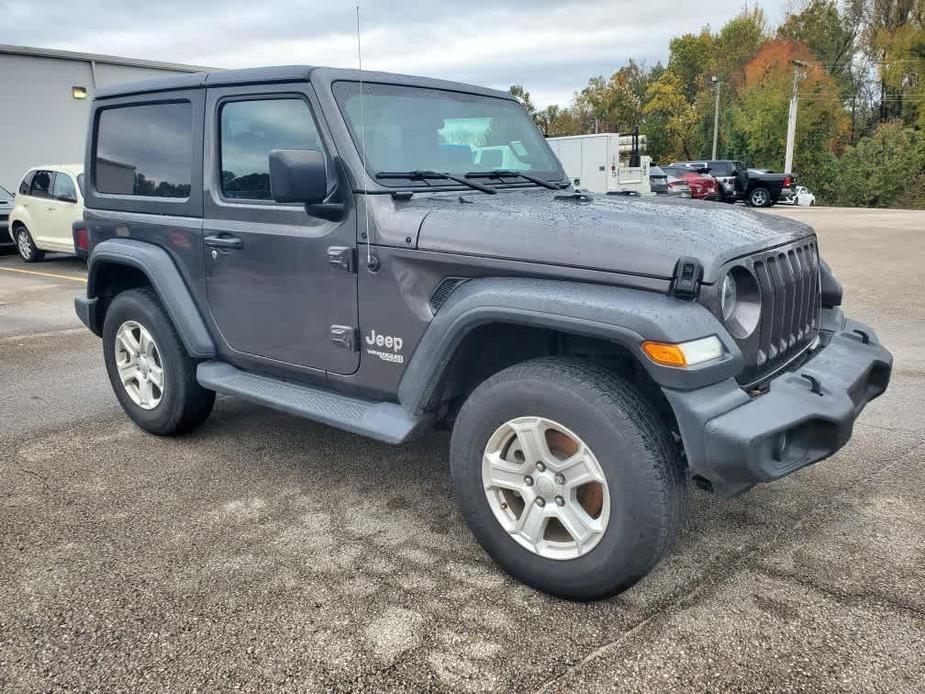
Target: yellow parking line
[{"x": 44, "y": 274}]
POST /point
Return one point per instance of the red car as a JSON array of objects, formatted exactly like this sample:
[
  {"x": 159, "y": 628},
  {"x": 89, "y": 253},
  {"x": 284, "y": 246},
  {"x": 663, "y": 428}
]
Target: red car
[{"x": 703, "y": 186}]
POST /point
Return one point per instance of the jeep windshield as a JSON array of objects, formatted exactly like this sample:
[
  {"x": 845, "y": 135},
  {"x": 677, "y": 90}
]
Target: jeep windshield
[{"x": 416, "y": 129}]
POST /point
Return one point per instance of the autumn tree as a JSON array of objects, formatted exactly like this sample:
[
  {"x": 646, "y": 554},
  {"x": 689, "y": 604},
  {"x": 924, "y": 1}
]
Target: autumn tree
[
  {"x": 759, "y": 118},
  {"x": 828, "y": 32}
]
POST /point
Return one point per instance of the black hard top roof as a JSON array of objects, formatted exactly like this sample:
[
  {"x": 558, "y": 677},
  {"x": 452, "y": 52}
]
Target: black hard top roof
[{"x": 284, "y": 73}]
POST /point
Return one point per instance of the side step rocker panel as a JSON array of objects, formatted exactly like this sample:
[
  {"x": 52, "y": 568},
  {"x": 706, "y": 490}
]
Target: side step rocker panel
[{"x": 384, "y": 421}]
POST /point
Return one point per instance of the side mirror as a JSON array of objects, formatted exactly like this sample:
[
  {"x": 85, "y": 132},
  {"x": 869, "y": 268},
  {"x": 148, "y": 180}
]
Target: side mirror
[
  {"x": 298, "y": 175},
  {"x": 66, "y": 197}
]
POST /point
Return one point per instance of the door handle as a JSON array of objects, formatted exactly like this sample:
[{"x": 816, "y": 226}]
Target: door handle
[{"x": 223, "y": 241}]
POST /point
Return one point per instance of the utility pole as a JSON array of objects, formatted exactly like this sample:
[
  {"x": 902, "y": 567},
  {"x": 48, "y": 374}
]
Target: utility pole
[
  {"x": 715, "y": 81},
  {"x": 792, "y": 118}
]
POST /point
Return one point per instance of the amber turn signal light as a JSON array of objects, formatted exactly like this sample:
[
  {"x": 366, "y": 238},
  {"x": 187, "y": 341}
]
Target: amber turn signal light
[
  {"x": 684, "y": 353},
  {"x": 663, "y": 353}
]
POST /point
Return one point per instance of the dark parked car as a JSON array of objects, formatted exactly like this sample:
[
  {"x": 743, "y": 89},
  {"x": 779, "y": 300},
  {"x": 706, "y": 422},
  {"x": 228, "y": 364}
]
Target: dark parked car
[
  {"x": 333, "y": 244},
  {"x": 755, "y": 187},
  {"x": 6, "y": 206}
]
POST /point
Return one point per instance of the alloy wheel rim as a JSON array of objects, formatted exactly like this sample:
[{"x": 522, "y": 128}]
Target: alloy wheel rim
[
  {"x": 138, "y": 361},
  {"x": 759, "y": 197},
  {"x": 546, "y": 488},
  {"x": 25, "y": 248}
]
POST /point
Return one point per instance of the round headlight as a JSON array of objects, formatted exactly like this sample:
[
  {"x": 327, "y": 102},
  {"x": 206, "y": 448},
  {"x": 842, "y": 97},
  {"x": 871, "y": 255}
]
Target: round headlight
[
  {"x": 740, "y": 302},
  {"x": 727, "y": 299}
]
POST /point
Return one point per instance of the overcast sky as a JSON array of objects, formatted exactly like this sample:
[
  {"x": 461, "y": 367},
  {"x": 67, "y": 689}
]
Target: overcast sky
[{"x": 550, "y": 47}]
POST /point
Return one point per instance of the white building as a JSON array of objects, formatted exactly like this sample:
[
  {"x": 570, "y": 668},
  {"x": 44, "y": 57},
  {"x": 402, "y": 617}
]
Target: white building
[{"x": 45, "y": 100}]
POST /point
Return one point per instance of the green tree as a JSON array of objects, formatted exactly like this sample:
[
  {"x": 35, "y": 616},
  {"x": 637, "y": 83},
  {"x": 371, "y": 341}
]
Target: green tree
[
  {"x": 613, "y": 104},
  {"x": 672, "y": 116},
  {"x": 902, "y": 50},
  {"x": 883, "y": 170},
  {"x": 556, "y": 121},
  {"x": 691, "y": 58},
  {"x": 737, "y": 41},
  {"x": 523, "y": 96},
  {"x": 893, "y": 39}
]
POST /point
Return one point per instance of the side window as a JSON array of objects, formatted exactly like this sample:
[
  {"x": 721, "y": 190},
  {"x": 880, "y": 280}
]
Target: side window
[
  {"x": 26, "y": 183},
  {"x": 64, "y": 187},
  {"x": 249, "y": 131},
  {"x": 145, "y": 150},
  {"x": 41, "y": 184}
]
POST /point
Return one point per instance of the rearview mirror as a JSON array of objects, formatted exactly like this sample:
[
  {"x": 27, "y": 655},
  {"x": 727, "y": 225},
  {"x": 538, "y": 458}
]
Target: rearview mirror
[{"x": 298, "y": 175}]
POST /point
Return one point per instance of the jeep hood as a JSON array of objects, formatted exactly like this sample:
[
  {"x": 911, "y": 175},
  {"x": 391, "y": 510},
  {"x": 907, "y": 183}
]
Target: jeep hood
[{"x": 630, "y": 235}]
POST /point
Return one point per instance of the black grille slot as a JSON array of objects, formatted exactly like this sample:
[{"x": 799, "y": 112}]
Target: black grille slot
[
  {"x": 443, "y": 291},
  {"x": 790, "y": 305}
]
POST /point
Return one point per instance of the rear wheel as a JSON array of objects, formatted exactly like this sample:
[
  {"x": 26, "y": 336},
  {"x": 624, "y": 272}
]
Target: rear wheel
[
  {"x": 760, "y": 197},
  {"x": 567, "y": 477},
  {"x": 28, "y": 251},
  {"x": 152, "y": 375}
]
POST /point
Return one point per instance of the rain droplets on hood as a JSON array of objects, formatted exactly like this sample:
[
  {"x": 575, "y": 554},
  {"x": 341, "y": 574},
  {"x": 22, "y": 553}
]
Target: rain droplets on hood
[{"x": 638, "y": 235}]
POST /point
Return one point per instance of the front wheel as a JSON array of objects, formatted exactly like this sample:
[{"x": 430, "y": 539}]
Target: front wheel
[
  {"x": 152, "y": 375},
  {"x": 567, "y": 477}
]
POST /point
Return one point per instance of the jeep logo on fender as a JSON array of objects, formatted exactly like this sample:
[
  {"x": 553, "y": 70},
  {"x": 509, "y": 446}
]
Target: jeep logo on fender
[{"x": 389, "y": 343}]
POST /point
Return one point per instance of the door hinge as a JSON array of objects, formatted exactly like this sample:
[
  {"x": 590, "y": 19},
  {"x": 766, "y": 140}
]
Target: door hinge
[
  {"x": 345, "y": 336},
  {"x": 687, "y": 275},
  {"x": 342, "y": 258}
]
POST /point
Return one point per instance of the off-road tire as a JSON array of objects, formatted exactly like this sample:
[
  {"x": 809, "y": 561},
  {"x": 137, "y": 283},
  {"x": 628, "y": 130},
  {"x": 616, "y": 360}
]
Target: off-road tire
[
  {"x": 25, "y": 245},
  {"x": 184, "y": 404},
  {"x": 630, "y": 441}
]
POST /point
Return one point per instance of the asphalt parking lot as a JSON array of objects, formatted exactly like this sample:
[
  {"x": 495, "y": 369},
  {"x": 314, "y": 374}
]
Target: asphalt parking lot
[{"x": 265, "y": 551}]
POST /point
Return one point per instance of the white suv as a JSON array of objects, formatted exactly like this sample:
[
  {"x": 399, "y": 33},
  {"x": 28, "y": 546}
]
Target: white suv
[{"x": 48, "y": 203}]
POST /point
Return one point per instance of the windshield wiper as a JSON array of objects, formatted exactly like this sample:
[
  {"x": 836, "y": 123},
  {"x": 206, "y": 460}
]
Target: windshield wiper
[
  {"x": 424, "y": 175},
  {"x": 504, "y": 173}
]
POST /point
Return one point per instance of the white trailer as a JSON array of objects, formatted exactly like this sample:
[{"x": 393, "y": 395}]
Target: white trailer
[{"x": 597, "y": 163}]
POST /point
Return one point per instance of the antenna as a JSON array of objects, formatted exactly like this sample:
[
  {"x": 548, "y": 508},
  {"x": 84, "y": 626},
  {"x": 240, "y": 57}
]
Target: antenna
[{"x": 372, "y": 264}]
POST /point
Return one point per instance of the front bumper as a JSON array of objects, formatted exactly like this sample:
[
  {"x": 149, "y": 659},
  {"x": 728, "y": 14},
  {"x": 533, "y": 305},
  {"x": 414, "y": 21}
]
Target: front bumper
[{"x": 734, "y": 440}]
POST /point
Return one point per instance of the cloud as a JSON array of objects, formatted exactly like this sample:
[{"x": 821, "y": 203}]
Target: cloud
[{"x": 550, "y": 47}]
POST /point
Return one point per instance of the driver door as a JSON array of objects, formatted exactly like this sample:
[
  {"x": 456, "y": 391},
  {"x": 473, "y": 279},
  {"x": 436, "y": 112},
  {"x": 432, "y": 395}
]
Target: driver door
[{"x": 273, "y": 290}]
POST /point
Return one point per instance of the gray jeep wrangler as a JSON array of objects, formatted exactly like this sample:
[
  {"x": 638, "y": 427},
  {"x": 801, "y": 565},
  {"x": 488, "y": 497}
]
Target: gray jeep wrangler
[{"x": 385, "y": 254}]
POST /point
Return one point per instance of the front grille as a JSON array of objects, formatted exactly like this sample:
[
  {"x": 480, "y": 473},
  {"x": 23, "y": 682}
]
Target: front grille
[{"x": 790, "y": 305}]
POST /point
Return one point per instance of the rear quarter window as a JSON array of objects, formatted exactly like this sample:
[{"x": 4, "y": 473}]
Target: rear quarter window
[
  {"x": 145, "y": 150},
  {"x": 26, "y": 183}
]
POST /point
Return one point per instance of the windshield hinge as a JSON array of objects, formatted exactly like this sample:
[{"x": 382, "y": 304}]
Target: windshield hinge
[{"x": 687, "y": 275}]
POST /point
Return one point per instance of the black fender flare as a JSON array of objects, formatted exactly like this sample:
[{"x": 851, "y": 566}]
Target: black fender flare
[
  {"x": 166, "y": 280},
  {"x": 622, "y": 315}
]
